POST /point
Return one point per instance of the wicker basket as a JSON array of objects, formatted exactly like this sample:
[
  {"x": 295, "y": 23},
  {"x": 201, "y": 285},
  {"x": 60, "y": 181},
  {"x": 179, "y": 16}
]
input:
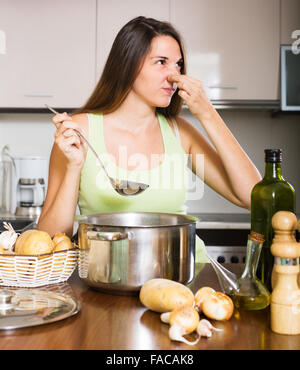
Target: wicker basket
[{"x": 33, "y": 271}]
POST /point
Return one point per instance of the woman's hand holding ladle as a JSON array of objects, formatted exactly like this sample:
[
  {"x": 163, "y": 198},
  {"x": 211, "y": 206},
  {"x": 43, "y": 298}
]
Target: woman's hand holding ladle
[{"x": 75, "y": 148}]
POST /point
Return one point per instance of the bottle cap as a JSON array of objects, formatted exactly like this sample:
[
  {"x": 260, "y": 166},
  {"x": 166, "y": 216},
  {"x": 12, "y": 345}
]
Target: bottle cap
[{"x": 273, "y": 155}]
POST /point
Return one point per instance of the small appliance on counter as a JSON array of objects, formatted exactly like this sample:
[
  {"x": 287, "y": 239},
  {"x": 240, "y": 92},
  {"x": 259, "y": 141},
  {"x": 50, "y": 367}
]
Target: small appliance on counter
[{"x": 29, "y": 186}]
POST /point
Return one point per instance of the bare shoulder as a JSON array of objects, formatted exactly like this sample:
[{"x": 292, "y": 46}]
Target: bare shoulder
[
  {"x": 82, "y": 119},
  {"x": 186, "y": 126},
  {"x": 188, "y": 133}
]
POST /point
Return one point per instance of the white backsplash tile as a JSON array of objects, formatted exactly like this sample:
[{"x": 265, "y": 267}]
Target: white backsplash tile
[{"x": 27, "y": 134}]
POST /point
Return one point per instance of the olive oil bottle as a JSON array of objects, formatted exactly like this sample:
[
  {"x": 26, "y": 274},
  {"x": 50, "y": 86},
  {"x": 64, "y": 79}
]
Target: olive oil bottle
[{"x": 270, "y": 195}]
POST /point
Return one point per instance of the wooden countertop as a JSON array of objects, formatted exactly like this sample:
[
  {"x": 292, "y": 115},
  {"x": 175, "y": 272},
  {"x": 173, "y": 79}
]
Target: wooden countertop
[{"x": 111, "y": 322}]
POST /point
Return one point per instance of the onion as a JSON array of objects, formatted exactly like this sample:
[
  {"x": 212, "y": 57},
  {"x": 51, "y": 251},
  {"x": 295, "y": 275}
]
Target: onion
[
  {"x": 59, "y": 237},
  {"x": 201, "y": 295},
  {"x": 218, "y": 306}
]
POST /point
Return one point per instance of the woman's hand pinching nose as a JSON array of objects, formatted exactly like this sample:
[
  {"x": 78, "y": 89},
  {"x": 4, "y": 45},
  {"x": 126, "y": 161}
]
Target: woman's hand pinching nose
[
  {"x": 173, "y": 78},
  {"x": 192, "y": 92}
]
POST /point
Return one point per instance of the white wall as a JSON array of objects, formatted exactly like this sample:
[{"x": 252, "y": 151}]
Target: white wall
[
  {"x": 256, "y": 131},
  {"x": 32, "y": 134}
]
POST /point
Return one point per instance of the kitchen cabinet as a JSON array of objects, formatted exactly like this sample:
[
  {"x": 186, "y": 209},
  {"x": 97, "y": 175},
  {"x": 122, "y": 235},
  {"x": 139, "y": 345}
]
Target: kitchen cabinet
[
  {"x": 232, "y": 46},
  {"x": 114, "y": 14},
  {"x": 50, "y": 52},
  {"x": 290, "y": 20},
  {"x": 54, "y": 51}
]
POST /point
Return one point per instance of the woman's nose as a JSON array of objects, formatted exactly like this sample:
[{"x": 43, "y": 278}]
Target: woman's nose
[{"x": 174, "y": 69}]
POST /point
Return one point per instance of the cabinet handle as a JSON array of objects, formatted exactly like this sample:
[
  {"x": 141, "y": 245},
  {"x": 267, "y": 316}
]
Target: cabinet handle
[
  {"x": 2, "y": 43},
  {"x": 39, "y": 95},
  {"x": 222, "y": 87}
]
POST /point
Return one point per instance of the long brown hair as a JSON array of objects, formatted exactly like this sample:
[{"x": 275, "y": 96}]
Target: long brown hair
[{"x": 125, "y": 59}]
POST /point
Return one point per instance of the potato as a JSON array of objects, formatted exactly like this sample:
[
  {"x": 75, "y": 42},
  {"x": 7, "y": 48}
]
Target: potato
[
  {"x": 163, "y": 295},
  {"x": 34, "y": 242}
]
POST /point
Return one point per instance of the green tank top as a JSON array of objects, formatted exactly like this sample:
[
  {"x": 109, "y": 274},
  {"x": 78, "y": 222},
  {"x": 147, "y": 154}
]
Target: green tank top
[{"x": 168, "y": 182}]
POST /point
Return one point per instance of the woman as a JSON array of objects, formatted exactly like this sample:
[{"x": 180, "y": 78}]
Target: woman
[{"x": 132, "y": 120}]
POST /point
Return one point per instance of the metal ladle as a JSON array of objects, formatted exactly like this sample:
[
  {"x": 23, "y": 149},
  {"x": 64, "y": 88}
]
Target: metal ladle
[{"x": 123, "y": 187}]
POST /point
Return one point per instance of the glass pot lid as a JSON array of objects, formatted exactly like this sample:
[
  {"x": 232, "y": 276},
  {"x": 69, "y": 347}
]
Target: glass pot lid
[{"x": 20, "y": 308}]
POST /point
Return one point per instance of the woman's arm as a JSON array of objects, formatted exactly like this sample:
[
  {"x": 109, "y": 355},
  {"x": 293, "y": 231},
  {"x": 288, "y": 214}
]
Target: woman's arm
[
  {"x": 67, "y": 158},
  {"x": 227, "y": 168}
]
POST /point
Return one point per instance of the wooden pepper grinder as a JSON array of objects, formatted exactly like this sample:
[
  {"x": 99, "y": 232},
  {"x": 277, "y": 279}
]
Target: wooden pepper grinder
[
  {"x": 298, "y": 227},
  {"x": 285, "y": 298}
]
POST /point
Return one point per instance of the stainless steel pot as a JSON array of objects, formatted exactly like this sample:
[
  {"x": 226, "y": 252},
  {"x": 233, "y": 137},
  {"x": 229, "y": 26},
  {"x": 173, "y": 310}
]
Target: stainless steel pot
[{"x": 119, "y": 252}]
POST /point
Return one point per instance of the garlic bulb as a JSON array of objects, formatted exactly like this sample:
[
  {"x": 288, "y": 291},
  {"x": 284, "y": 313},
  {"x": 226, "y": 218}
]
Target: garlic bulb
[
  {"x": 176, "y": 332},
  {"x": 165, "y": 317},
  {"x": 205, "y": 328},
  {"x": 183, "y": 320},
  {"x": 9, "y": 237}
]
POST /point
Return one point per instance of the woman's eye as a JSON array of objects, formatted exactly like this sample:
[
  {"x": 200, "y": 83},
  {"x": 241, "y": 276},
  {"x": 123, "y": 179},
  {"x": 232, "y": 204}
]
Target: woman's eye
[{"x": 163, "y": 62}]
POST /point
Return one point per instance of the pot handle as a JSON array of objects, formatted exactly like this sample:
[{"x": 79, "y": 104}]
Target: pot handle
[{"x": 110, "y": 236}]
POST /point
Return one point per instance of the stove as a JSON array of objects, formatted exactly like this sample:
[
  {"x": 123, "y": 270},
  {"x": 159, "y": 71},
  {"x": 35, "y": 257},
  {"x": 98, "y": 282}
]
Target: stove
[{"x": 225, "y": 235}]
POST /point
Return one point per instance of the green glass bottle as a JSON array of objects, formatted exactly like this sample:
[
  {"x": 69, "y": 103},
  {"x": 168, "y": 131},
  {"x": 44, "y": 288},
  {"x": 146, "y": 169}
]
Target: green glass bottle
[{"x": 268, "y": 196}]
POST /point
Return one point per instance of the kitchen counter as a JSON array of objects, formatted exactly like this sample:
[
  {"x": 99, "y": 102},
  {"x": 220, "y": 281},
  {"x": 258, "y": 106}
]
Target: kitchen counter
[
  {"x": 222, "y": 220},
  {"x": 121, "y": 322}
]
